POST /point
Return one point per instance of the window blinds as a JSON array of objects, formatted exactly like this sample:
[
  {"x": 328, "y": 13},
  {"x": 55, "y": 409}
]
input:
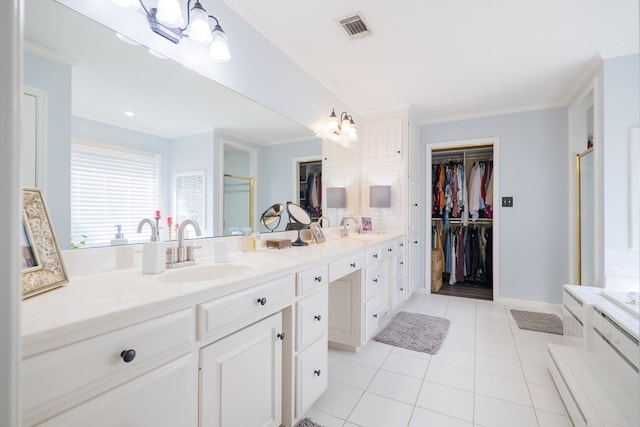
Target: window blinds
[{"x": 110, "y": 186}]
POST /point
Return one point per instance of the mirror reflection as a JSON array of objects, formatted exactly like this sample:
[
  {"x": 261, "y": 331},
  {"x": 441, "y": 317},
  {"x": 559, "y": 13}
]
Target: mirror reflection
[{"x": 126, "y": 134}]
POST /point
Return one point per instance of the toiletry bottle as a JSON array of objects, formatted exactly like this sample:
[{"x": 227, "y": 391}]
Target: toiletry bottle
[
  {"x": 154, "y": 257},
  {"x": 119, "y": 238}
]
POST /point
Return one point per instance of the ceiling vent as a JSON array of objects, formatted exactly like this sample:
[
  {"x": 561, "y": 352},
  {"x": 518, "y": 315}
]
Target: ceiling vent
[{"x": 355, "y": 26}]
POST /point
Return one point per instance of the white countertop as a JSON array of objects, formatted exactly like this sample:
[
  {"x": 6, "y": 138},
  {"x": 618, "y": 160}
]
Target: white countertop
[{"x": 91, "y": 301}]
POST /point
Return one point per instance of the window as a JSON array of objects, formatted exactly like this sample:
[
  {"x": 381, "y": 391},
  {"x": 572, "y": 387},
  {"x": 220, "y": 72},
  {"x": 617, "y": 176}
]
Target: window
[{"x": 110, "y": 187}]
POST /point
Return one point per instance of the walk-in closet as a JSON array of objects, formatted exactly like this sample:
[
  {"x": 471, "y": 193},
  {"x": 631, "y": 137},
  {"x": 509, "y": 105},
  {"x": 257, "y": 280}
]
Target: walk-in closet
[
  {"x": 462, "y": 215},
  {"x": 310, "y": 187}
]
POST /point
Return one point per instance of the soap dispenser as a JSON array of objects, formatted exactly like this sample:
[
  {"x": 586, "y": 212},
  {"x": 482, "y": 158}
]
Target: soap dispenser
[{"x": 119, "y": 238}]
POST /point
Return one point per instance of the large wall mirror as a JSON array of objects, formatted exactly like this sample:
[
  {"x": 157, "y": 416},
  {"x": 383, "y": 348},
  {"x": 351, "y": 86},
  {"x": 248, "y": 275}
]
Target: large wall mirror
[
  {"x": 92, "y": 79},
  {"x": 586, "y": 219}
]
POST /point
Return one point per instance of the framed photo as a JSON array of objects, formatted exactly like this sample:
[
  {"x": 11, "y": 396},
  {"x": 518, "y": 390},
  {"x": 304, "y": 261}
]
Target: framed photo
[
  {"x": 366, "y": 224},
  {"x": 318, "y": 235},
  {"x": 42, "y": 267}
]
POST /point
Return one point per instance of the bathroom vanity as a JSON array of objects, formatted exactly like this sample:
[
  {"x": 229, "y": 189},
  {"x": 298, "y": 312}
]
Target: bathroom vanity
[{"x": 242, "y": 343}]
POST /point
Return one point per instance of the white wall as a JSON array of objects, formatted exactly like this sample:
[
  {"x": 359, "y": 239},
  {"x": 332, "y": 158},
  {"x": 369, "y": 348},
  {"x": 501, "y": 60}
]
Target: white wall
[
  {"x": 533, "y": 157},
  {"x": 621, "y": 112},
  {"x": 55, "y": 78},
  {"x": 10, "y": 84}
]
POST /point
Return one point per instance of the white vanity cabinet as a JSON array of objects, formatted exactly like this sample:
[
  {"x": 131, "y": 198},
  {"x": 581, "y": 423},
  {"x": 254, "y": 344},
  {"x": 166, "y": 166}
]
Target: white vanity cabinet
[
  {"x": 148, "y": 359},
  {"x": 346, "y": 303},
  {"x": 311, "y": 360},
  {"x": 241, "y": 377}
]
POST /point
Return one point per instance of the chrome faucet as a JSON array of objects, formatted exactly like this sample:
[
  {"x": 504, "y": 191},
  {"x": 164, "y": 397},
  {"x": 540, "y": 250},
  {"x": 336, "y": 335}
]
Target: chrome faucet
[
  {"x": 325, "y": 218},
  {"x": 155, "y": 230},
  {"x": 345, "y": 225},
  {"x": 184, "y": 256}
]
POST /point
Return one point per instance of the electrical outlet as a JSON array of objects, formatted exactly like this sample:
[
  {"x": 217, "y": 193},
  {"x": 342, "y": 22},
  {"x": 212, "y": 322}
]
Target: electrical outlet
[{"x": 507, "y": 202}]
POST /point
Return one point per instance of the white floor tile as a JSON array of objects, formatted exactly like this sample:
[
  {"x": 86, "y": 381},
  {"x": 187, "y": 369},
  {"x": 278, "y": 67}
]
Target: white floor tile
[
  {"x": 395, "y": 386},
  {"x": 324, "y": 419},
  {"x": 352, "y": 373},
  {"x": 548, "y": 419},
  {"x": 454, "y": 357},
  {"x": 502, "y": 388},
  {"x": 401, "y": 363},
  {"x": 504, "y": 351},
  {"x": 490, "y": 412},
  {"x": 377, "y": 411},
  {"x": 452, "y": 376},
  {"x": 499, "y": 366},
  {"x": 407, "y": 352},
  {"x": 446, "y": 400},
  {"x": 460, "y": 342},
  {"x": 424, "y": 417},
  {"x": 370, "y": 355},
  {"x": 546, "y": 398},
  {"x": 537, "y": 374},
  {"x": 338, "y": 400}
]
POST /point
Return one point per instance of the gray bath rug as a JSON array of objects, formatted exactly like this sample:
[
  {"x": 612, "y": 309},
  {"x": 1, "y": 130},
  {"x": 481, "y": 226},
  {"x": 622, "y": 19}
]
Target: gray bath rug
[
  {"x": 541, "y": 322},
  {"x": 306, "y": 422},
  {"x": 417, "y": 332}
]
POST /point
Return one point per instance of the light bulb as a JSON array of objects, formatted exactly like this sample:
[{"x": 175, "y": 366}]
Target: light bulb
[
  {"x": 333, "y": 121},
  {"x": 345, "y": 126},
  {"x": 199, "y": 29},
  {"x": 219, "y": 50},
  {"x": 169, "y": 13}
]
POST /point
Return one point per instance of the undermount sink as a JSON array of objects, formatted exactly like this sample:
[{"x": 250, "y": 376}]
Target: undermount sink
[{"x": 206, "y": 272}]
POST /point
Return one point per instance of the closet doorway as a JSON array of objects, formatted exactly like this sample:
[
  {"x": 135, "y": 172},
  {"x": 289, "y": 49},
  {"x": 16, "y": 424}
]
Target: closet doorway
[{"x": 463, "y": 217}]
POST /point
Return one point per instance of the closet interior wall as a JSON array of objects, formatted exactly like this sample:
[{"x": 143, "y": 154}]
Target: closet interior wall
[{"x": 462, "y": 219}]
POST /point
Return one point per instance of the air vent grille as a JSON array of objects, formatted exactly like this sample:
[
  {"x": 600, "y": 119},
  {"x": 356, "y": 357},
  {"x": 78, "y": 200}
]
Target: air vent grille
[{"x": 355, "y": 26}]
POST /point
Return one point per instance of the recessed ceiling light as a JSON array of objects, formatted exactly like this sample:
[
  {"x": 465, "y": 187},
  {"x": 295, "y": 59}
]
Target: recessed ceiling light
[
  {"x": 126, "y": 39},
  {"x": 129, "y": 113},
  {"x": 157, "y": 54}
]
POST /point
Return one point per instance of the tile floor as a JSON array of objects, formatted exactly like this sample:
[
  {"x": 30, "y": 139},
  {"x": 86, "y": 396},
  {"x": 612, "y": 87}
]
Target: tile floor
[{"x": 488, "y": 373}]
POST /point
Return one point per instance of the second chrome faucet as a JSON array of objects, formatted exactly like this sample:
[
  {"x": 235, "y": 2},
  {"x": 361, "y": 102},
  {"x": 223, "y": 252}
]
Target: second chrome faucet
[{"x": 182, "y": 255}]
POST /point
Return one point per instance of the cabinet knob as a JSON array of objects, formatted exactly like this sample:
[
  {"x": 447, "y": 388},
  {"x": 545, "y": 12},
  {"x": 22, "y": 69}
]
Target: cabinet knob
[
  {"x": 401, "y": 262},
  {"x": 128, "y": 355},
  {"x": 281, "y": 336},
  {"x": 375, "y": 255},
  {"x": 317, "y": 317},
  {"x": 402, "y": 289},
  {"x": 262, "y": 301},
  {"x": 375, "y": 316},
  {"x": 389, "y": 250},
  {"x": 402, "y": 245},
  {"x": 353, "y": 264},
  {"x": 318, "y": 279},
  {"x": 415, "y": 204},
  {"x": 415, "y": 241},
  {"x": 398, "y": 152},
  {"x": 317, "y": 372},
  {"x": 375, "y": 280}
]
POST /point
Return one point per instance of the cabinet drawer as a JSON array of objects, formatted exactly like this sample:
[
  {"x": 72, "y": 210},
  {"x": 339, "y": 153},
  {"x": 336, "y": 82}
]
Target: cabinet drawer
[
  {"x": 371, "y": 310},
  {"x": 340, "y": 268},
  {"x": 312, "y": 280},
  {"x": 240, "y": 309},
  {"x": 311, "y": 318},
  {"x": 374, "y": 256},
  {"x": 311, "y": 375},
  {"x": 388, "y": 250},
  {"x": 135, "y": 403},
  {"x": 374, "y": 282},
  {"x": 50, "y": 375}
]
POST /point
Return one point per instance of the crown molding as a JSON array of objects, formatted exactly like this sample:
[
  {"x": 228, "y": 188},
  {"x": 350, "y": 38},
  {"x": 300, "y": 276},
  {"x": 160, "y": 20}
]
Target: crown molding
[
  {"x": 48, "y": 53},
  {"x": 624, "y": 51}
]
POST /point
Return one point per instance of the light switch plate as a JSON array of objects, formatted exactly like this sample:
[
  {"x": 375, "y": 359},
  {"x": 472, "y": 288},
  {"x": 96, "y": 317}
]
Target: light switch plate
[{"x": 507, "y": 202}]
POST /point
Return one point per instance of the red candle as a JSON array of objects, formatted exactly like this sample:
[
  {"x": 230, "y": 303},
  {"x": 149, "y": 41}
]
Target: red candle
[
  {"x": 157, "y": 214},
  {"x": 169, "y": 220}
]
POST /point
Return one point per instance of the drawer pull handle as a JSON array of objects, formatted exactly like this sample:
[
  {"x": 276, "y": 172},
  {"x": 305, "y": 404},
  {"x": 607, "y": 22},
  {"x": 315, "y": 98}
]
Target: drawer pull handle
[
  {"x": 353, "y": 264},
  {"x": 281, "y": 336},
  {"x": 319, "y": 279},
  {"x": 317, "y": 372},
  {"x": 128, "y": 355},
  {"x": 317, "y": 317},
  {"x": 375, "y": 316},
  {"x": 262, "y": 301}
]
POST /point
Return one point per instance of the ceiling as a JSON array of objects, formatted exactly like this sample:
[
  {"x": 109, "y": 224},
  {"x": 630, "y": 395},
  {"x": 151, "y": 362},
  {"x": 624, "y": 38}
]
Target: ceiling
[
  {"x": 110, "y": 77},
  {"x": 449, "y": 59}
]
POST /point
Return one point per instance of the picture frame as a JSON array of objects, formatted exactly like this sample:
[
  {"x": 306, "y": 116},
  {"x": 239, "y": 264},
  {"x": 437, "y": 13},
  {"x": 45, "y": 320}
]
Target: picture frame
[
  {"x": 367, "y": 225},
  {"x": 318, "y": 235},
  {"x": 42, "y": 266}
]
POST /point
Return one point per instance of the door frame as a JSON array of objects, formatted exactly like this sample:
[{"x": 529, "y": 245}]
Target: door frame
[{"x": 470, "y": 143}]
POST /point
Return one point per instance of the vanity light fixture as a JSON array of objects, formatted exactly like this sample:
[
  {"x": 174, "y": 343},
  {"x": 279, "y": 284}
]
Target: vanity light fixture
[
  {"x": 345, "y": 126},
  {"x": 167, "y": 20}
]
